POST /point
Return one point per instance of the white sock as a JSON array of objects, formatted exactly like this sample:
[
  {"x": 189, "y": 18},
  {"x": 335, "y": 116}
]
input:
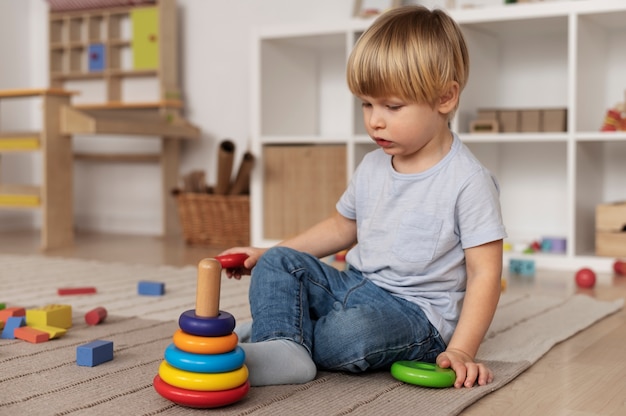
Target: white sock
[
  {"x": 244, "y": 331},
  {"x": 279, "y": 361}
]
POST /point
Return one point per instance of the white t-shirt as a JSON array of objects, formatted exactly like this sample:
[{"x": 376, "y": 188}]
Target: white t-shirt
[{"x": 412, "y": 228}]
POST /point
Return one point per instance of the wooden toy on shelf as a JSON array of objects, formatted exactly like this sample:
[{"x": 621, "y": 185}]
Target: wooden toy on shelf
[{"x": 505, "y": 120}]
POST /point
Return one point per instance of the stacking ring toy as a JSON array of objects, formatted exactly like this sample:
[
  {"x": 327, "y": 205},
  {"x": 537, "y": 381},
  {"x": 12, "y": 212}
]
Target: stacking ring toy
[
  {"x": 205, "y": 345},
  {"x": 219, "y": 326},
  {"x": 423, "y": 374},
  {"x": 230, "y": 261},
  {"x": 202, "y": 363},
  {"x": 202, "y": 381},
  {"x": 200, "y": 399}
]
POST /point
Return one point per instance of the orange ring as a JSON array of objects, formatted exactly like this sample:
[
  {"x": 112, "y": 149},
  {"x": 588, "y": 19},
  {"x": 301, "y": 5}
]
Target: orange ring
[{"x": 205, "y": 345}]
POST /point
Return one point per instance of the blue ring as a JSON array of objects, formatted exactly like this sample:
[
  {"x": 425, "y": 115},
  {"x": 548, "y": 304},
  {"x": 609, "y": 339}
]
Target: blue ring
[
  {"x": 219, "y": 326},
  {"x": 205, "y": 363}
]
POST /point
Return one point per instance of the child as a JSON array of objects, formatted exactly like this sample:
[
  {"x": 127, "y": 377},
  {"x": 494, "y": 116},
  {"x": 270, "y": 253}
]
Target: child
[{"x": 424, "y": 275}]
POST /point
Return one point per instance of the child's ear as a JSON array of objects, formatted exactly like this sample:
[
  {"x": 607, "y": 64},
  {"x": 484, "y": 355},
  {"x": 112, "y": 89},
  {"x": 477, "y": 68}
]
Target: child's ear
[{"x": 449, "y": 99}]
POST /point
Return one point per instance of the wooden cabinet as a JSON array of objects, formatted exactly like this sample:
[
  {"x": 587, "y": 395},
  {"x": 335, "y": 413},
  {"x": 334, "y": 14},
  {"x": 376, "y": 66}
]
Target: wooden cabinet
[{"x": 547, "y": 55}]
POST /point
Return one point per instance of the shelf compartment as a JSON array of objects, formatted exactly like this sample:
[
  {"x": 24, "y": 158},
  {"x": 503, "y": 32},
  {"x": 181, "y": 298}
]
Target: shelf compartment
[
  {"x": 20, "y": 196},
  {"x": 302, "y": 85},
  {"x": 19, "y": 142},
  {"x": 515, "y": 58},
  {"x": 301, "y": 186}
]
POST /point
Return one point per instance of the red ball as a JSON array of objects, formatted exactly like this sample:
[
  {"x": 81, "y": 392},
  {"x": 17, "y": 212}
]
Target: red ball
[
  {"x": 585, "y": 278},
  {"x": 619, "y": 267}
]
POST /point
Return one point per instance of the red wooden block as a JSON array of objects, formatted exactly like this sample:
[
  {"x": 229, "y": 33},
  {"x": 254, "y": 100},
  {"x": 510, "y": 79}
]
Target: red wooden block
[
  {"x": 76, "y": 291},
  {"x": 9, "y": 312},
  {"x": 96, "y": 316},
  {"x": 31, "y": 334}
]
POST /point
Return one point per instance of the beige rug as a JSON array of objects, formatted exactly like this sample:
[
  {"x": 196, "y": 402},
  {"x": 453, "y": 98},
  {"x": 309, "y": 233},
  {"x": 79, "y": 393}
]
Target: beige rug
[{"x": 43, "y": 379}]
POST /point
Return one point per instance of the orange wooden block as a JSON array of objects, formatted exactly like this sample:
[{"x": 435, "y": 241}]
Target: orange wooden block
[
  {"x": 31, "y": 334},
  {"x": 9, "y": 312}
]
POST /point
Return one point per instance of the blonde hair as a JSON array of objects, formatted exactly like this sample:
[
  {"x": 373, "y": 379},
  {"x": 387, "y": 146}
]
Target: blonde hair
[{"x": 410, "y": 52}]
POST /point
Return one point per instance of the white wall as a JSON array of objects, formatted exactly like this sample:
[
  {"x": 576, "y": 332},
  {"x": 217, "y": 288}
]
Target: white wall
[{"x": 214, "y": 70}]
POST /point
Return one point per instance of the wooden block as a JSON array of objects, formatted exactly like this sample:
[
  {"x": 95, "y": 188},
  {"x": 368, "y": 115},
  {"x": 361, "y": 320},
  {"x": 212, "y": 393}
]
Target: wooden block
[
  {"x": 76, "y": 291},
  {"x": 13, "y": 311},
  {"x": 94, "y": 353},
  {"x": 301, "y": 186},
  {"x": 484, "y": 126},
  {"x": 554, "y": 120},
  {"x": 96, "y": 316},
  {"x": 611, "y": 229},
  {"x": 487, "y": 114},
  {"x": 32, "y": 335},
  {"x": 509, "y": 121},
  {"x": 10, "y": 325},
  {"x": 148, "y": 288},
  {"x": 52, "y": 331},
  {"x": 611, "y": 217},
  {"x": 50, "y": 315},
  {"x": 610, "y": 244},
  {"x": 530, "y": 121}
]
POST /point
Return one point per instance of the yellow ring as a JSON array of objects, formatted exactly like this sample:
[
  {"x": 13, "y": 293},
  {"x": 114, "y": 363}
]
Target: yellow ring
[
  {"x": 205, "y": 345},
  {"x": 202, "y": 381}
]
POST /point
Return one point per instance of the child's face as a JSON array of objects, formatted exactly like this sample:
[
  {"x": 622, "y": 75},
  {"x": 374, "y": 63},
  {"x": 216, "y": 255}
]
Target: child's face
[{"x": 408, "y": 131}]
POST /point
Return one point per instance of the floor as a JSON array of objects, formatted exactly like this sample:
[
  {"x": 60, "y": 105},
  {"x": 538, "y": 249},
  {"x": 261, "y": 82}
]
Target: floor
[{"x": 581, "y": 376}]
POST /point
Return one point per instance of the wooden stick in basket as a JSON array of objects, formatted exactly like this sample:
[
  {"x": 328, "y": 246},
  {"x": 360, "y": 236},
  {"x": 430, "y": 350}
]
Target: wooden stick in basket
[
  {"x": 242, "y": 181},
  {"x": 225, "y": 157}
]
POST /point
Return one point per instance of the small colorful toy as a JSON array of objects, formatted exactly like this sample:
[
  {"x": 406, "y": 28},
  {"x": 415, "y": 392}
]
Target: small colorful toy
[
  {"x": 423, "y": 374},
  {"x": 585, "y": 278},
  {"x": 96, "y": 316},
  {"x": 204, "y": 367},
  {"x": 148, "y": 288},
  {"x": 522, "y": 267},
  {"x": 94, "y": 353},
  {"x": 64, "y": 291}
]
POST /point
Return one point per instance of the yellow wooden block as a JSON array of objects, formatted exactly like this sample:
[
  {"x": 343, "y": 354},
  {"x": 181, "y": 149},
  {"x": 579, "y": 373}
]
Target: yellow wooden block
[
  {"x": 53, "y": 331},
  {"x": 50, "y": 315}
]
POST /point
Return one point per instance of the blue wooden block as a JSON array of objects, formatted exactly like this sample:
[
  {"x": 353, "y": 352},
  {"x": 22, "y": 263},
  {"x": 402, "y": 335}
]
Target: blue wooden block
[
  {"x": 145, "y": 287},
  {"x": 522, "y": 267},
  {"x": 96, "y": 57},
  {"x": 94, "y": 353},
  {"x": 10, "y": 325}
]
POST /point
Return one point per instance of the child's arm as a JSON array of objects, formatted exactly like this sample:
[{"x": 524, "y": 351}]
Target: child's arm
[
  {"x": 484, "y": 272},
  {"x": 327, "y": 237}
]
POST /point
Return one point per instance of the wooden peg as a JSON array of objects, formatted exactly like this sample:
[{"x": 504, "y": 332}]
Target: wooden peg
[{"x": 208, "y": 288}]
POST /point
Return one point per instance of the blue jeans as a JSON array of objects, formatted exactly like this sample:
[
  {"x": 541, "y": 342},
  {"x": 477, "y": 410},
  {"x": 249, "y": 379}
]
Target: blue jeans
[{"x": 344, "y": 320}]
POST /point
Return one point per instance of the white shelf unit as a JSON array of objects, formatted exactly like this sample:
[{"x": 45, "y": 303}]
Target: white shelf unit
[{"x": 565, "y": 54}]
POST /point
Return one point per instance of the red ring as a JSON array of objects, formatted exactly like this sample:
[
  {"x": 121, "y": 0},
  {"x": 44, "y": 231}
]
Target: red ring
[
  {"x": 230, "y": 261},
  {"x": 200, "y": 399}
]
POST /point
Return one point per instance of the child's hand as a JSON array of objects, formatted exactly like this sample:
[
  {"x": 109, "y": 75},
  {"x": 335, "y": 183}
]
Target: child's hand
[
  {"x": 467, "y": 371},
  {"x": 253, "y": 256}
]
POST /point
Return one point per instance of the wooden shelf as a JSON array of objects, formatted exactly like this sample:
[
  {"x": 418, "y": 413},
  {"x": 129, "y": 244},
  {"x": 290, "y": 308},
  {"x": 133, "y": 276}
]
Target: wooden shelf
[
  {"x": 74, "y": 121},
  {"x": 20, "y": 196},
  {"x": 119, "y": 157}
]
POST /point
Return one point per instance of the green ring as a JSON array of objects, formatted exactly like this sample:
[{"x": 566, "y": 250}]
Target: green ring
[{"x": 423, "y": 374}]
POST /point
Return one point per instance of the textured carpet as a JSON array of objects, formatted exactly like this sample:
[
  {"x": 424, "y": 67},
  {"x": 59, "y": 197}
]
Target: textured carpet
[{"x": 43, "y": 379}]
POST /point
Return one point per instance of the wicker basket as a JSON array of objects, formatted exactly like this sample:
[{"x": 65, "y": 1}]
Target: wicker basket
[{"x": 215, "y": 220}]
